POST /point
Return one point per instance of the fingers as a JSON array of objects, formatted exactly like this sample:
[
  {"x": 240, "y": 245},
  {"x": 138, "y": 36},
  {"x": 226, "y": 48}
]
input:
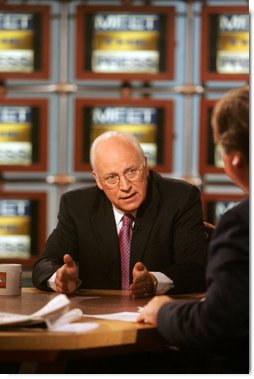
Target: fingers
[
  {"x": 139, "y": 272},
  {"x": 61, "y": 280},
  {"x": 141, "y": 318},
  {"x": 142, "y": 287},
  {"x": 139, "y": 266},
  {"x": 69, "y": 265},
  {"x": 68, "y": 260},
  {"x": 142, "y": 282},
  {"x": 147, "y": 316},
  {"x": 67, "y": 276},
  {"x": 150, "y": 311},
  {"x": 139, "y": 290},
  {"x": 64, "y": 283}
]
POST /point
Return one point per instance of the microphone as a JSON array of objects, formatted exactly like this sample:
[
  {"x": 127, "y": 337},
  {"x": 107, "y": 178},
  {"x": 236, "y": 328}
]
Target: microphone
[{"x": 136, "y": 227}]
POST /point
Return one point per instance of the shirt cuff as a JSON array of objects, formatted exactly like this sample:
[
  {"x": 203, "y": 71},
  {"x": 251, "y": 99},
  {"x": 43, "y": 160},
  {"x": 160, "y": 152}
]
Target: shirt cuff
[
  {"x": 51, "y": 282},
  {"x": 164, "y": 283}
]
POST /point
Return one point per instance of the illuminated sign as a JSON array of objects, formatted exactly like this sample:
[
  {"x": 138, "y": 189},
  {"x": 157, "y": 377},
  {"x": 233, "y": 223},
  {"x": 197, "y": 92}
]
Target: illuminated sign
[
  {"x": 233, "y": 44},
  {"x": 15, "y": 237},
  {"x": 149, "y": 120},
  {"x": 15, "y": 135},
  {"x": 225, "y": 43},
  {"x": 139, "y": 121},
  {"x": 16, "y": 42},
  {"x": 126, "y": 43}
]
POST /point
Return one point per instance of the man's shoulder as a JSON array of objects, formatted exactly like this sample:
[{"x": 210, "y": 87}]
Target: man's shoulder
[
  {"x": 234, "y": 221},
  {"x": 170, "y": 182},
  {"x": 239, "y": 211},
  {"x": 173, "y": 191},
  {"x": 243, "y": 206},
  {"x": 85, "y": 192},
  {"x": 88, "y": 198}
]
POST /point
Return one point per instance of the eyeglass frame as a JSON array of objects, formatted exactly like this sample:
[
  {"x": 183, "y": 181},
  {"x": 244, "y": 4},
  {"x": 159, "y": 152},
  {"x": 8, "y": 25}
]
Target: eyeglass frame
[{"x": 119, "y": 177}]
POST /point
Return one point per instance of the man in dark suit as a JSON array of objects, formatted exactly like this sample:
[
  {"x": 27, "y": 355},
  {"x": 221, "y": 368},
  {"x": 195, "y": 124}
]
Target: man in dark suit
[
  {"x": 168, "y": 248},
  {"x": 215, "y": 331}
]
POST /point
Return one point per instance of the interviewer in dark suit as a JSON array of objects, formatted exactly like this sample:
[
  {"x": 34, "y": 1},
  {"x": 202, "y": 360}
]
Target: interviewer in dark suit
[
  {"x": 169, "y": 244},
  {"x": 219, "y": 323}
]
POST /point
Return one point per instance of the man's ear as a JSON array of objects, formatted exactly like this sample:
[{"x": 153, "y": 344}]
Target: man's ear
[
  {"x": 236, "y": 160},
  {"x": 97, "y": 180},
  {"x": 146, "y": 166}
]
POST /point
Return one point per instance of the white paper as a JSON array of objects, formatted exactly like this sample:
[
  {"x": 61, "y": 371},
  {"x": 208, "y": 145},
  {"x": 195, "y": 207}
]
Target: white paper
[
  {"x": 55, "y": 313},
  {"x": 12, "y": 318},
  {"x": 77, "y": 327},
  {"x": 121, "y": 316},
  {"x": 59, "y": 302},
  {"x": 67, "y": 317}
]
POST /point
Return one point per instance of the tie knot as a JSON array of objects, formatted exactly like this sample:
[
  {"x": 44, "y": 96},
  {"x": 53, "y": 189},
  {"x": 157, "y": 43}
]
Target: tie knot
[{"x": 127, "y": 219}]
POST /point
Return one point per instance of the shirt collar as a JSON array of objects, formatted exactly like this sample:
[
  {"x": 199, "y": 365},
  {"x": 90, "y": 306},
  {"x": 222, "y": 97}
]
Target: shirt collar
[{"x": 119, "y": 214}]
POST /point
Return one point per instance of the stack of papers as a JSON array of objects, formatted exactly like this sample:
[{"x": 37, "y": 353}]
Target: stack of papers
[{"x": 55, "y": 316}]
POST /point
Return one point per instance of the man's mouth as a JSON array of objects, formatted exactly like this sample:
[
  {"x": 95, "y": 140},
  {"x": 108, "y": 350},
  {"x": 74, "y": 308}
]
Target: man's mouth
[{"x": 129, "y": 196}]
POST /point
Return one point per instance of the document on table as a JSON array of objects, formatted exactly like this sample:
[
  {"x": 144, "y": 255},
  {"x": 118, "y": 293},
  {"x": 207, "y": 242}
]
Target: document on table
[
  {"x": 56, "y": 316},
  {"x": 52, "y": 310},
  {"x": 120, "y": 316}
]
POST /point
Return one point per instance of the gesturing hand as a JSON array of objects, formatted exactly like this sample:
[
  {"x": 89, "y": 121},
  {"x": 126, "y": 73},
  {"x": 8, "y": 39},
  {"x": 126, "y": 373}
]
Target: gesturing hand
[
  {"x": 143, "y": 281},
  {"x": 66, "y": 280}
]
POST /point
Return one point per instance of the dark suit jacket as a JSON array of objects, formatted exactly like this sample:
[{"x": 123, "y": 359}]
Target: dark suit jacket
[
  {"x": 222, "y": 320},
  {"x": 170, "y": 237}
]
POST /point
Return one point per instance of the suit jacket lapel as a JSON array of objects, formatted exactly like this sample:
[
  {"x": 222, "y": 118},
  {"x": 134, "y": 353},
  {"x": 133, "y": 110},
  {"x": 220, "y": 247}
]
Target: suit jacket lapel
[
  {"x": 104, "y": 226},
  {"x": 146, "y": 217}
]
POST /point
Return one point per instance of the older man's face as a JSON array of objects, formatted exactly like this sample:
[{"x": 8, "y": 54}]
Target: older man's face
[{"x": 117, "y": 157}]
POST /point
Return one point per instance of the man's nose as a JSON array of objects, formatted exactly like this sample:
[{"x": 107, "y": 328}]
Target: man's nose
[{"x": 124, "y": 183}]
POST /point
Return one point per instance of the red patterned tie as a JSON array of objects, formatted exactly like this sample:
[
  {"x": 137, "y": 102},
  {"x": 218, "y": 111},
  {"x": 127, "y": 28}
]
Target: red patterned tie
[{"x": 125, "y": 245}]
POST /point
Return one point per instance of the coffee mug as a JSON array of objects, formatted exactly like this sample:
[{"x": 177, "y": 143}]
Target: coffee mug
[{"x": 10, "y": 279}]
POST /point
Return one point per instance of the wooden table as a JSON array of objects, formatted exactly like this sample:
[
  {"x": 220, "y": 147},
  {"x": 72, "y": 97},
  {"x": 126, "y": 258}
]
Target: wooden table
[{"x": 37, "y": 346}]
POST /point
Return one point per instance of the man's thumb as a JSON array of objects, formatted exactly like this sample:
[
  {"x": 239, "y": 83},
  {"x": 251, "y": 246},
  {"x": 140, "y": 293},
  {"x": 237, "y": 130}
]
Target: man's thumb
[
  {"x": 139, "y": 266},
  {"x": 68, "y": 259}
]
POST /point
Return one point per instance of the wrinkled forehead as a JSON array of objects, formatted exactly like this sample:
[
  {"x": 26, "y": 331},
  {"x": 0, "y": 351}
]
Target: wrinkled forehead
[{"x": 115, "y": 153}]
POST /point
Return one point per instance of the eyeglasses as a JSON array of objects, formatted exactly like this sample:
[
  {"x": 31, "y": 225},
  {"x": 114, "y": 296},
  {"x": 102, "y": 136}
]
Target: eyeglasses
[{"x": 132, "y": 175}]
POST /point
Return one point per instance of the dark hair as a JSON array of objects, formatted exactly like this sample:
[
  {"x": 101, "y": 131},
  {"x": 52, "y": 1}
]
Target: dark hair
[{"x": 230, "y": 121}]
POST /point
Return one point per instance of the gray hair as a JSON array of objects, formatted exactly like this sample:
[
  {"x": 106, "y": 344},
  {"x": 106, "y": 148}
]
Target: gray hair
[{"x": 113, "y": 133}]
